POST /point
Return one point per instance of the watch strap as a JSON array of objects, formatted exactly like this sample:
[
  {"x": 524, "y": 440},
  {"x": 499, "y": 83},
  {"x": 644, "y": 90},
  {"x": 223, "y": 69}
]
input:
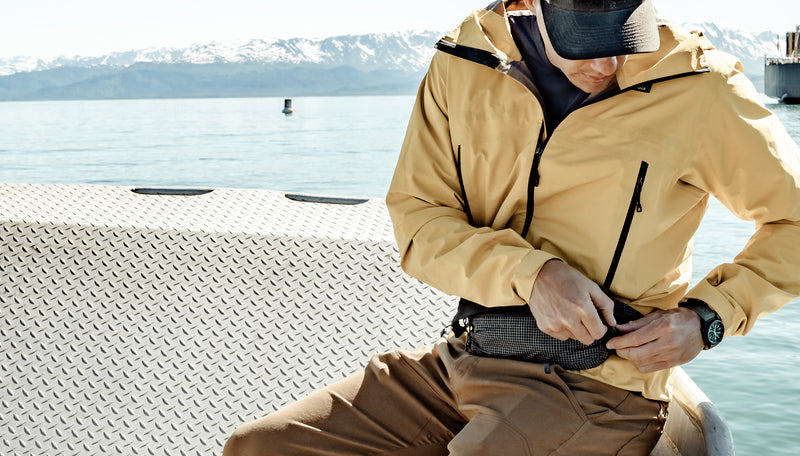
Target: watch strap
[{"x": 701, "y": 308}]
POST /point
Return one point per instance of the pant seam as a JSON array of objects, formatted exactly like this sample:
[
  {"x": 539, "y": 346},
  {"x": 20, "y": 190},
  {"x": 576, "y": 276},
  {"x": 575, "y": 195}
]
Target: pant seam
[
  {"x": 508, "y": 425},
  {"x": 427, "y": 422},
  {"x": 656, "y": 422},
  {"x": 519, "y": 434},
  {"x": 659, "y": 422},
  {"x": 462, "y": 371},
  {"x": 423, "y": 379},
  {"x": 578, "y": 431},
  {"x": 443, "y": 403}
]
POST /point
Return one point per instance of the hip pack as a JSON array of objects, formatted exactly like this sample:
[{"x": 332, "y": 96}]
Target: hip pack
[{"x": 512, "y": 333}]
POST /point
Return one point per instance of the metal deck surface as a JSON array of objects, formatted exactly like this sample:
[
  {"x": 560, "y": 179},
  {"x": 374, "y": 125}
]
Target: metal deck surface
[{"x": 154, "y": 325}]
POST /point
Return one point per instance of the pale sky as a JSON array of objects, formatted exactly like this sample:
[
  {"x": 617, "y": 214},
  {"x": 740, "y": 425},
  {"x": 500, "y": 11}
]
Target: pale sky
[{"x": 47, "y": 28}]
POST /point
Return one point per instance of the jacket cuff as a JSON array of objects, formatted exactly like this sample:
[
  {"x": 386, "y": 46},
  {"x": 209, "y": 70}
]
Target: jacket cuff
[
  {"x": 733, "y": 317},
  {"x": 527, "y": 271}
]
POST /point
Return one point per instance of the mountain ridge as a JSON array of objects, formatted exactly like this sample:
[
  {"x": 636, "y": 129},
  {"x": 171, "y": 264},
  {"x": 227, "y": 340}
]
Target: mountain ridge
[
  {"x": 397, "y": 50},
  {"x": 387, "y": 63}
]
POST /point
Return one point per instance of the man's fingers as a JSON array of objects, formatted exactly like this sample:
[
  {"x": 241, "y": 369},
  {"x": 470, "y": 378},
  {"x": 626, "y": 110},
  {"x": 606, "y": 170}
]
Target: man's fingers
[
  {"x": 663, "y": 339},
  {"x": 605, "y": 305},
  {"x": 570, "y": 328},
  {"x": 655, "y": 355},
  {"x": 638, "y": 324},
  {"x": 633, "y": 339},
  {"x": 592, "y": 324},
  {"x": 643, "y": 361},
  {"x": 582, "y": 335},
  {"x": 566, "y": 303}
]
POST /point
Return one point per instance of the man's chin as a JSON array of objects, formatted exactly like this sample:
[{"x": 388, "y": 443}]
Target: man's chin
[{"x": 592, "y": 85}]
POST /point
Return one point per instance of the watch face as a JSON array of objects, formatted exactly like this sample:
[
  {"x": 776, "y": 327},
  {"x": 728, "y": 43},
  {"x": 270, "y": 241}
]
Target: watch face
[{"x": 715, "y": 332}]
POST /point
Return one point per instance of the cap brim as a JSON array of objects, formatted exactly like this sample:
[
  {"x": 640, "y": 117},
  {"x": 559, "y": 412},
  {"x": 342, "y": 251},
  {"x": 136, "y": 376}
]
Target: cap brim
[{"x": 577, "y": 35}]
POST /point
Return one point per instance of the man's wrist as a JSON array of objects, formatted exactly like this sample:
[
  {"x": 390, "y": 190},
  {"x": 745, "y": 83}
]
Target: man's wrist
[{"x": 711, "y": 327}]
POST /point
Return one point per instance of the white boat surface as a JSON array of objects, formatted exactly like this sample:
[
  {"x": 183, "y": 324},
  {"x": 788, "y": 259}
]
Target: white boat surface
[{"x": 155, "y": 322}]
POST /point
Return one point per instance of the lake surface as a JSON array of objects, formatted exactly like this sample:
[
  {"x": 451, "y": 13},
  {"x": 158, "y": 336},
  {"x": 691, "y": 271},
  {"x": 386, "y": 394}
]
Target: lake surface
[{"x": 348, "y": 147}]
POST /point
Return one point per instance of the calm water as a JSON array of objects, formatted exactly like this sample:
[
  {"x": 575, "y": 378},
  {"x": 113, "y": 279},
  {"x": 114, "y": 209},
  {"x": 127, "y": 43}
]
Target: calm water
[{"x": 348, "y": 146}]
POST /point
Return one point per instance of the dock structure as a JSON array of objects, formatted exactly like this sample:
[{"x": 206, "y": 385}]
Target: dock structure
[
  {"x": 782, "y": 74},
  {"x": 793, "y": 43},
  {"x": 153, "y": 322}
]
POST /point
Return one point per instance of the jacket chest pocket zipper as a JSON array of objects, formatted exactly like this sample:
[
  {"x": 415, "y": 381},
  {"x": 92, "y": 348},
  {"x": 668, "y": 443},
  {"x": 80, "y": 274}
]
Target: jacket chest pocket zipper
[
  {"x": 533, "y": 180},
  {"x": 634, "y": 207}
]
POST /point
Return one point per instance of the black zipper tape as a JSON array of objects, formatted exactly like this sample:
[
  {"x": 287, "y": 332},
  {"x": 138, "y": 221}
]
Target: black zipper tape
[
  {"x": 533, "y": 180},
  {"x": 463, "y": 188},
  {"x": 634, "y": 207}
]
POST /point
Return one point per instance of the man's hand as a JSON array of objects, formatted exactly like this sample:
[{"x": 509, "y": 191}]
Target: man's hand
[
  {"x": 662, "y": 339},
  {"x": 565, "y": 303}
]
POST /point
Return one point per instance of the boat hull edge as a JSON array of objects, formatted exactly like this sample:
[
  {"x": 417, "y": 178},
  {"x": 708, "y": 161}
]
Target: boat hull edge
[{"x": 782, "y": 81}]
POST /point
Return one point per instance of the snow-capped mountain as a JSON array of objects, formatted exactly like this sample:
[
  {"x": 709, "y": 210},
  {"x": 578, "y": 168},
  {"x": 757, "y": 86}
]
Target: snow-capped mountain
[
  {"x": 341, "y": 65},
  {"x": 406, "y": 51}
]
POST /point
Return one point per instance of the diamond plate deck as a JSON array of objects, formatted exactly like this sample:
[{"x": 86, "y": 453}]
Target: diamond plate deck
[{"x": 154, "y": 325}]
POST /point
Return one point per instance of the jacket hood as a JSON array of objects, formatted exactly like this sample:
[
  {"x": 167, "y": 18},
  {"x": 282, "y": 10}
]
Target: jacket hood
[{"x": 681, "y": 52}]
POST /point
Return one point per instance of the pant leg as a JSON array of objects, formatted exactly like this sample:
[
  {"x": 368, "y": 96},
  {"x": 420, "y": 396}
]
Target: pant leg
[
  {"x": 415, "y": 403},
  {"x": 400, "y": 404},
  {"x": 520, "y": 408}
]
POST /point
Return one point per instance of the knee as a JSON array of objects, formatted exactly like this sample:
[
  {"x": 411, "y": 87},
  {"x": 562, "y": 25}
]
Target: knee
[
  {"x": 237, "y": 444},
  {"x": 248, "y": 440}
]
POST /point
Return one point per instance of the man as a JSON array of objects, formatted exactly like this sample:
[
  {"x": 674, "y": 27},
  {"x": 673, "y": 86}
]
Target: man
[{"x": 559, "y": 158}]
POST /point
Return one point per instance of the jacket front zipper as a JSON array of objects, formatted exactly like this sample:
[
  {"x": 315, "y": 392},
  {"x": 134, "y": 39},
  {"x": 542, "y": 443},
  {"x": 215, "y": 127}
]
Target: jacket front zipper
[{"x": 634, "y": 207}]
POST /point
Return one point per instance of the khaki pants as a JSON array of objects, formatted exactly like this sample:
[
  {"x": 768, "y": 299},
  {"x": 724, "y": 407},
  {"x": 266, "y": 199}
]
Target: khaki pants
[{"x": 443, "y": 400}]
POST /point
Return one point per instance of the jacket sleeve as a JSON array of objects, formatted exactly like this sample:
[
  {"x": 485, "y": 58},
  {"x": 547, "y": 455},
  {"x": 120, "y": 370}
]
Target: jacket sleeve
[
  {"x": 749, "y": 163},
  {"x": 436, "y": 241}
]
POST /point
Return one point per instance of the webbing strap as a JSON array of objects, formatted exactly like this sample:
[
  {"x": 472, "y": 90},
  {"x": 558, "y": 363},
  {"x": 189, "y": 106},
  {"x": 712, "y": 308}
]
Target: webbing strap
[{"x": 480, "y": 56}]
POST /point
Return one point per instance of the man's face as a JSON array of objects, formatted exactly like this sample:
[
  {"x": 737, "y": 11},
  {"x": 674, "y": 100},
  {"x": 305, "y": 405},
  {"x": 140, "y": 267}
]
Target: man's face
[{"x": 592, "y": 75}]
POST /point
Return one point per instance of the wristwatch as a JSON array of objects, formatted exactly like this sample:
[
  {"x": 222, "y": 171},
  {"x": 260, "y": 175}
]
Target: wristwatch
[{"x": 711, "y": 327}]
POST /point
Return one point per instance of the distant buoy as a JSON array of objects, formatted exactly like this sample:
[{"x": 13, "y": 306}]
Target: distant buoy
[{"x": 287, "y": 106}]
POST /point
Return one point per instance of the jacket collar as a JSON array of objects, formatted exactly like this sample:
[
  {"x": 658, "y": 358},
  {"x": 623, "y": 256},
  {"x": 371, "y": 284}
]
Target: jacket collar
[{"x": 680, "y": 53}]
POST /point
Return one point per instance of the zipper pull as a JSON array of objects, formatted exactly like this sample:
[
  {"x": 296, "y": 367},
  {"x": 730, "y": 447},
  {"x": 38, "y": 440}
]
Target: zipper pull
[
  {"x": 639, "y": 185},
  {"x": 637, "y": 191},
  {"x": 537, "y": 157}
]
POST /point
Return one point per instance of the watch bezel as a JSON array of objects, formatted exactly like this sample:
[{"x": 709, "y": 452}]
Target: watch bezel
[{"x": 713, "y": 335}]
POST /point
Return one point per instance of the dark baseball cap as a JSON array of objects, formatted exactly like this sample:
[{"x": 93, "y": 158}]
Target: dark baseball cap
[{"x": 590, "y": 29}]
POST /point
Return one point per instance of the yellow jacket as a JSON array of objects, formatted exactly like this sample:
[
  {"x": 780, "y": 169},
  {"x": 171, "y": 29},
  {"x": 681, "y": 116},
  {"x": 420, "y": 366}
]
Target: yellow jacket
[{"x": 684, "y": 124}]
